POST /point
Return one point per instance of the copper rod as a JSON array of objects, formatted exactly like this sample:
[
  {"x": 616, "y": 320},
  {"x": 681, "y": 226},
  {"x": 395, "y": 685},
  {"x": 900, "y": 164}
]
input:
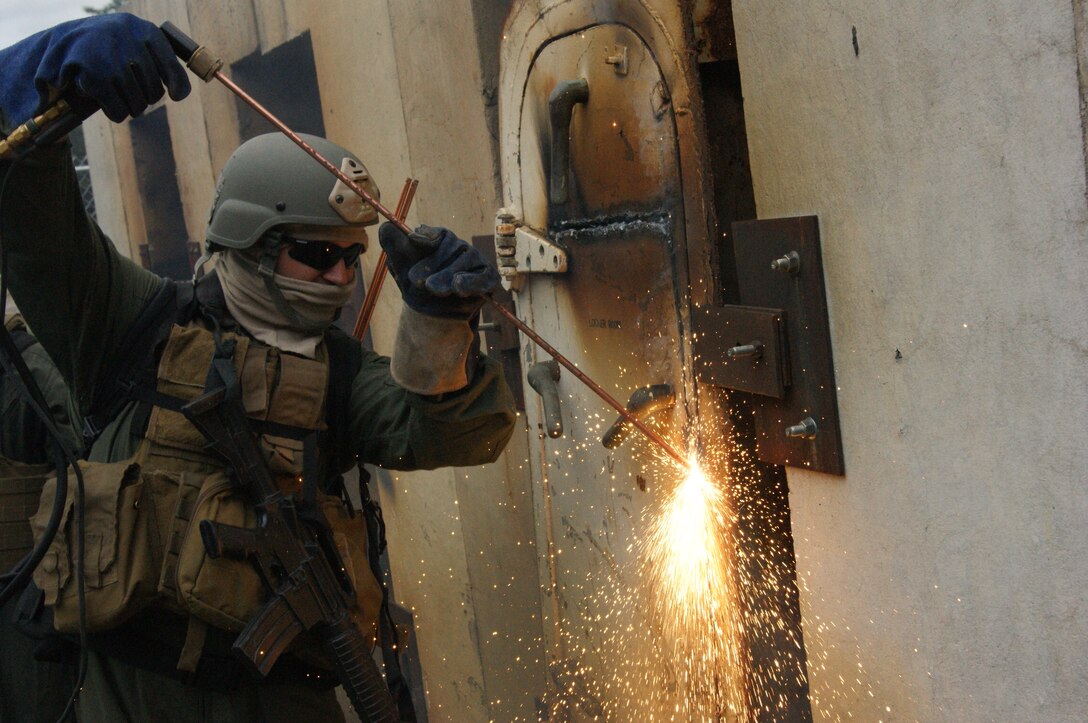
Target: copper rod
[
  {"x": 399, "y": 223},
  {"x": 411, "y": 196},
  {"x": 366, "y": 311}
]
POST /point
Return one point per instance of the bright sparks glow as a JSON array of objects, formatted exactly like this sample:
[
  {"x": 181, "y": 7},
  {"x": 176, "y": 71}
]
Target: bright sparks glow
[
  {"x": 684, "y": 551},
  {"x": 675, "y": 605},
  {"x": 687, "y": 564}
]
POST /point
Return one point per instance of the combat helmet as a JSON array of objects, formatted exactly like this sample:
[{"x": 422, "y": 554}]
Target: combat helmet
[{"x": 269, "y": 181}]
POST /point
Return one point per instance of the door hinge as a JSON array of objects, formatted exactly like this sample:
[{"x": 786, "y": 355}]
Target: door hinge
[{"x": 522, "y": 250}]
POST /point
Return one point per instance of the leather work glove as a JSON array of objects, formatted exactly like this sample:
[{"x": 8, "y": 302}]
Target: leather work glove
[
  {"x": 444, "y": 282},
  {"x": 116, "y": 62},
  {"x": 438, "y": 273}
]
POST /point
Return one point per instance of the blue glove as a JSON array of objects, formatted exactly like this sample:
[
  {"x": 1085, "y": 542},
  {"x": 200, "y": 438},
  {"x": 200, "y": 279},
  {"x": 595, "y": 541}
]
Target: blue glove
[
  {"x": 116, "y": 62},
  {"x": 438, "y": 273}
]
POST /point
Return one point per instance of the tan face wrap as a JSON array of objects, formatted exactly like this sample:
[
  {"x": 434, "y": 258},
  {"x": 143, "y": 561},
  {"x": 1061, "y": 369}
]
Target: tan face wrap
[{"x": 249, "y": 302}]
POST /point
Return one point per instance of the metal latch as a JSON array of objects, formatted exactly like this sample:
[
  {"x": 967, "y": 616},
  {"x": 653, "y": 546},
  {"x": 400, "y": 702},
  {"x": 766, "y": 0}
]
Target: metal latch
[
  {"x": 522, "y": 250},
  {"x": 777, "y": 346},
  {"x": 544, "y": 379},
  {"x": 644, "y": 401}
]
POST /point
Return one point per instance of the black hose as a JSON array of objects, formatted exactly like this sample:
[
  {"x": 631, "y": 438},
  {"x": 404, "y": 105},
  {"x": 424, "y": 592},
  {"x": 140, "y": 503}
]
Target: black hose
[{"x": 13, "y": 364}]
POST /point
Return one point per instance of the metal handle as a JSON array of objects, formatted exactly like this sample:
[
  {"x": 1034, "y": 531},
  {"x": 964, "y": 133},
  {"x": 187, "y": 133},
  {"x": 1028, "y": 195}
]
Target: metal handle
[
  {"x": 567, "y": 94},
  {"x": 543, "y": 378},
  {"x": 644, "y": 401}
]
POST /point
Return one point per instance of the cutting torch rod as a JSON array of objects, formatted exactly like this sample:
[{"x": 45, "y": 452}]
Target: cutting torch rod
[{"x": 202, "y": 63}]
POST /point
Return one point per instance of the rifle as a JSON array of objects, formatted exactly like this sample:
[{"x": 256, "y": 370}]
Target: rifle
[{"x": 297, "y": 566}]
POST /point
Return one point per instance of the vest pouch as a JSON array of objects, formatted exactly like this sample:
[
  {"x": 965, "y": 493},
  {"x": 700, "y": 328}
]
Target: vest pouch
[
  {"x": 223, "y": 592},
  {"x": 349, "y": 532},
  {"x": 120, "y": 571},
  {"x": 228, "y": 593}
]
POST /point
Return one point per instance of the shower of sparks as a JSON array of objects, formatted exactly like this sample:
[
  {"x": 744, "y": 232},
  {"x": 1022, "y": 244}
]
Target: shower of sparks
[
  {"x": 674, "y": 606},
  {"x": 688, "y": 567},
  {"x": 684, "y": 554}
]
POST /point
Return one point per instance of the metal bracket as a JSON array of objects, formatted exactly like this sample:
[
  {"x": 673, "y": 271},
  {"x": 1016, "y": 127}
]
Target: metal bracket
[
  {"x": 778, "y": 346},
  {"x": 742, "y": 348},
  {"x": 618, "y": 59},
  {"x": 644, "y": 401},
  {"x": 522, "y": 250}
]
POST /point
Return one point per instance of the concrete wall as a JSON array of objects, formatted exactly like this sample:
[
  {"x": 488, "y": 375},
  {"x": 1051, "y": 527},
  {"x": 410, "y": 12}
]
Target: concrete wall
[{"x": 943, "y": 150}]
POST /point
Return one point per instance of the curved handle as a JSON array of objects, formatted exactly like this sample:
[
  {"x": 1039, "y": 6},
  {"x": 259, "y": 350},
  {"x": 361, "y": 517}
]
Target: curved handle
[
  {"x": 543, "y": 377},
  {"x": 566, "y": 95},
  {"x": 644, "y": 401}
]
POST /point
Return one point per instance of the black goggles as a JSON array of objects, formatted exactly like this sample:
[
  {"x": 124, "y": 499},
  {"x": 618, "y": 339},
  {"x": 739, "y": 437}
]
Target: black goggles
[{"x": 321, "y": 255}]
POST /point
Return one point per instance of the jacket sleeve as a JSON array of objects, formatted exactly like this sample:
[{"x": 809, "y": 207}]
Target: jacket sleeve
[
  {"x": 76, "y": 292},
  {"x": 397, "y": 429}
]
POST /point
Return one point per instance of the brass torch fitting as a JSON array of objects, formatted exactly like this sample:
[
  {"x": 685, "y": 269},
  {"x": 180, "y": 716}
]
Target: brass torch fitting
[
  {"x": 25, "y": 133},
  {"x": 196, "y": 57},
  {"x": 204, "y": 65}
]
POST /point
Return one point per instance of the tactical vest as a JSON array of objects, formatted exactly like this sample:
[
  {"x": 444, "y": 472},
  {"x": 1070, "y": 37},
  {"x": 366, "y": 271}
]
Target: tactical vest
[{"x": 142, "y": 543}]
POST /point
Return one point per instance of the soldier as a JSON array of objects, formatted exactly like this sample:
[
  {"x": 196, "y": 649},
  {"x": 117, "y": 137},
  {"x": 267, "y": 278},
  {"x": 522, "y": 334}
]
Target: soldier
[{"x": 132, "y": 346}]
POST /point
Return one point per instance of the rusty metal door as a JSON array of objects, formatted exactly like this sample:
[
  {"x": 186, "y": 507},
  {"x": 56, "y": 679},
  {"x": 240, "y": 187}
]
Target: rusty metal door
[{"x": 600, "y": 180}]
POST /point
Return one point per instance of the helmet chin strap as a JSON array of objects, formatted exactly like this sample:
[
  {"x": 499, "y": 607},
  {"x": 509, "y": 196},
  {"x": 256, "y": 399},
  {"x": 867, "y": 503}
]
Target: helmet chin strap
[
  {"x": 198, "y": 267},
  {"x": 266, "y": 269}
]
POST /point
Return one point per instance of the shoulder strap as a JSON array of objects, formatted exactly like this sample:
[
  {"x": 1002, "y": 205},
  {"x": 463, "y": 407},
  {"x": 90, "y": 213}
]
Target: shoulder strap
[
  {"x": 210, "y": 300},
  {"x": 345, "y": 361},
  {"x": 135, "y": 355}
]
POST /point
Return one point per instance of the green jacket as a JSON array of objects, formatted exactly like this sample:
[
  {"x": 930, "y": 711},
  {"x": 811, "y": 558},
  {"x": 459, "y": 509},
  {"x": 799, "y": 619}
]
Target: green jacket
[{"x": 81, "y": 296}]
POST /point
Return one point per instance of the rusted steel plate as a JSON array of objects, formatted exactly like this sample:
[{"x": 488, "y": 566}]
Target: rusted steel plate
[{"x": 801, "y": 294}]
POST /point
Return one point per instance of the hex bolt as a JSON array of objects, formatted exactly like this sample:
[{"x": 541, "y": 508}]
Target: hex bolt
[
  {"x": 746, "y": 351},
  {"x": 805, "y": 430},
  {"x": 788, "y": 264}
]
